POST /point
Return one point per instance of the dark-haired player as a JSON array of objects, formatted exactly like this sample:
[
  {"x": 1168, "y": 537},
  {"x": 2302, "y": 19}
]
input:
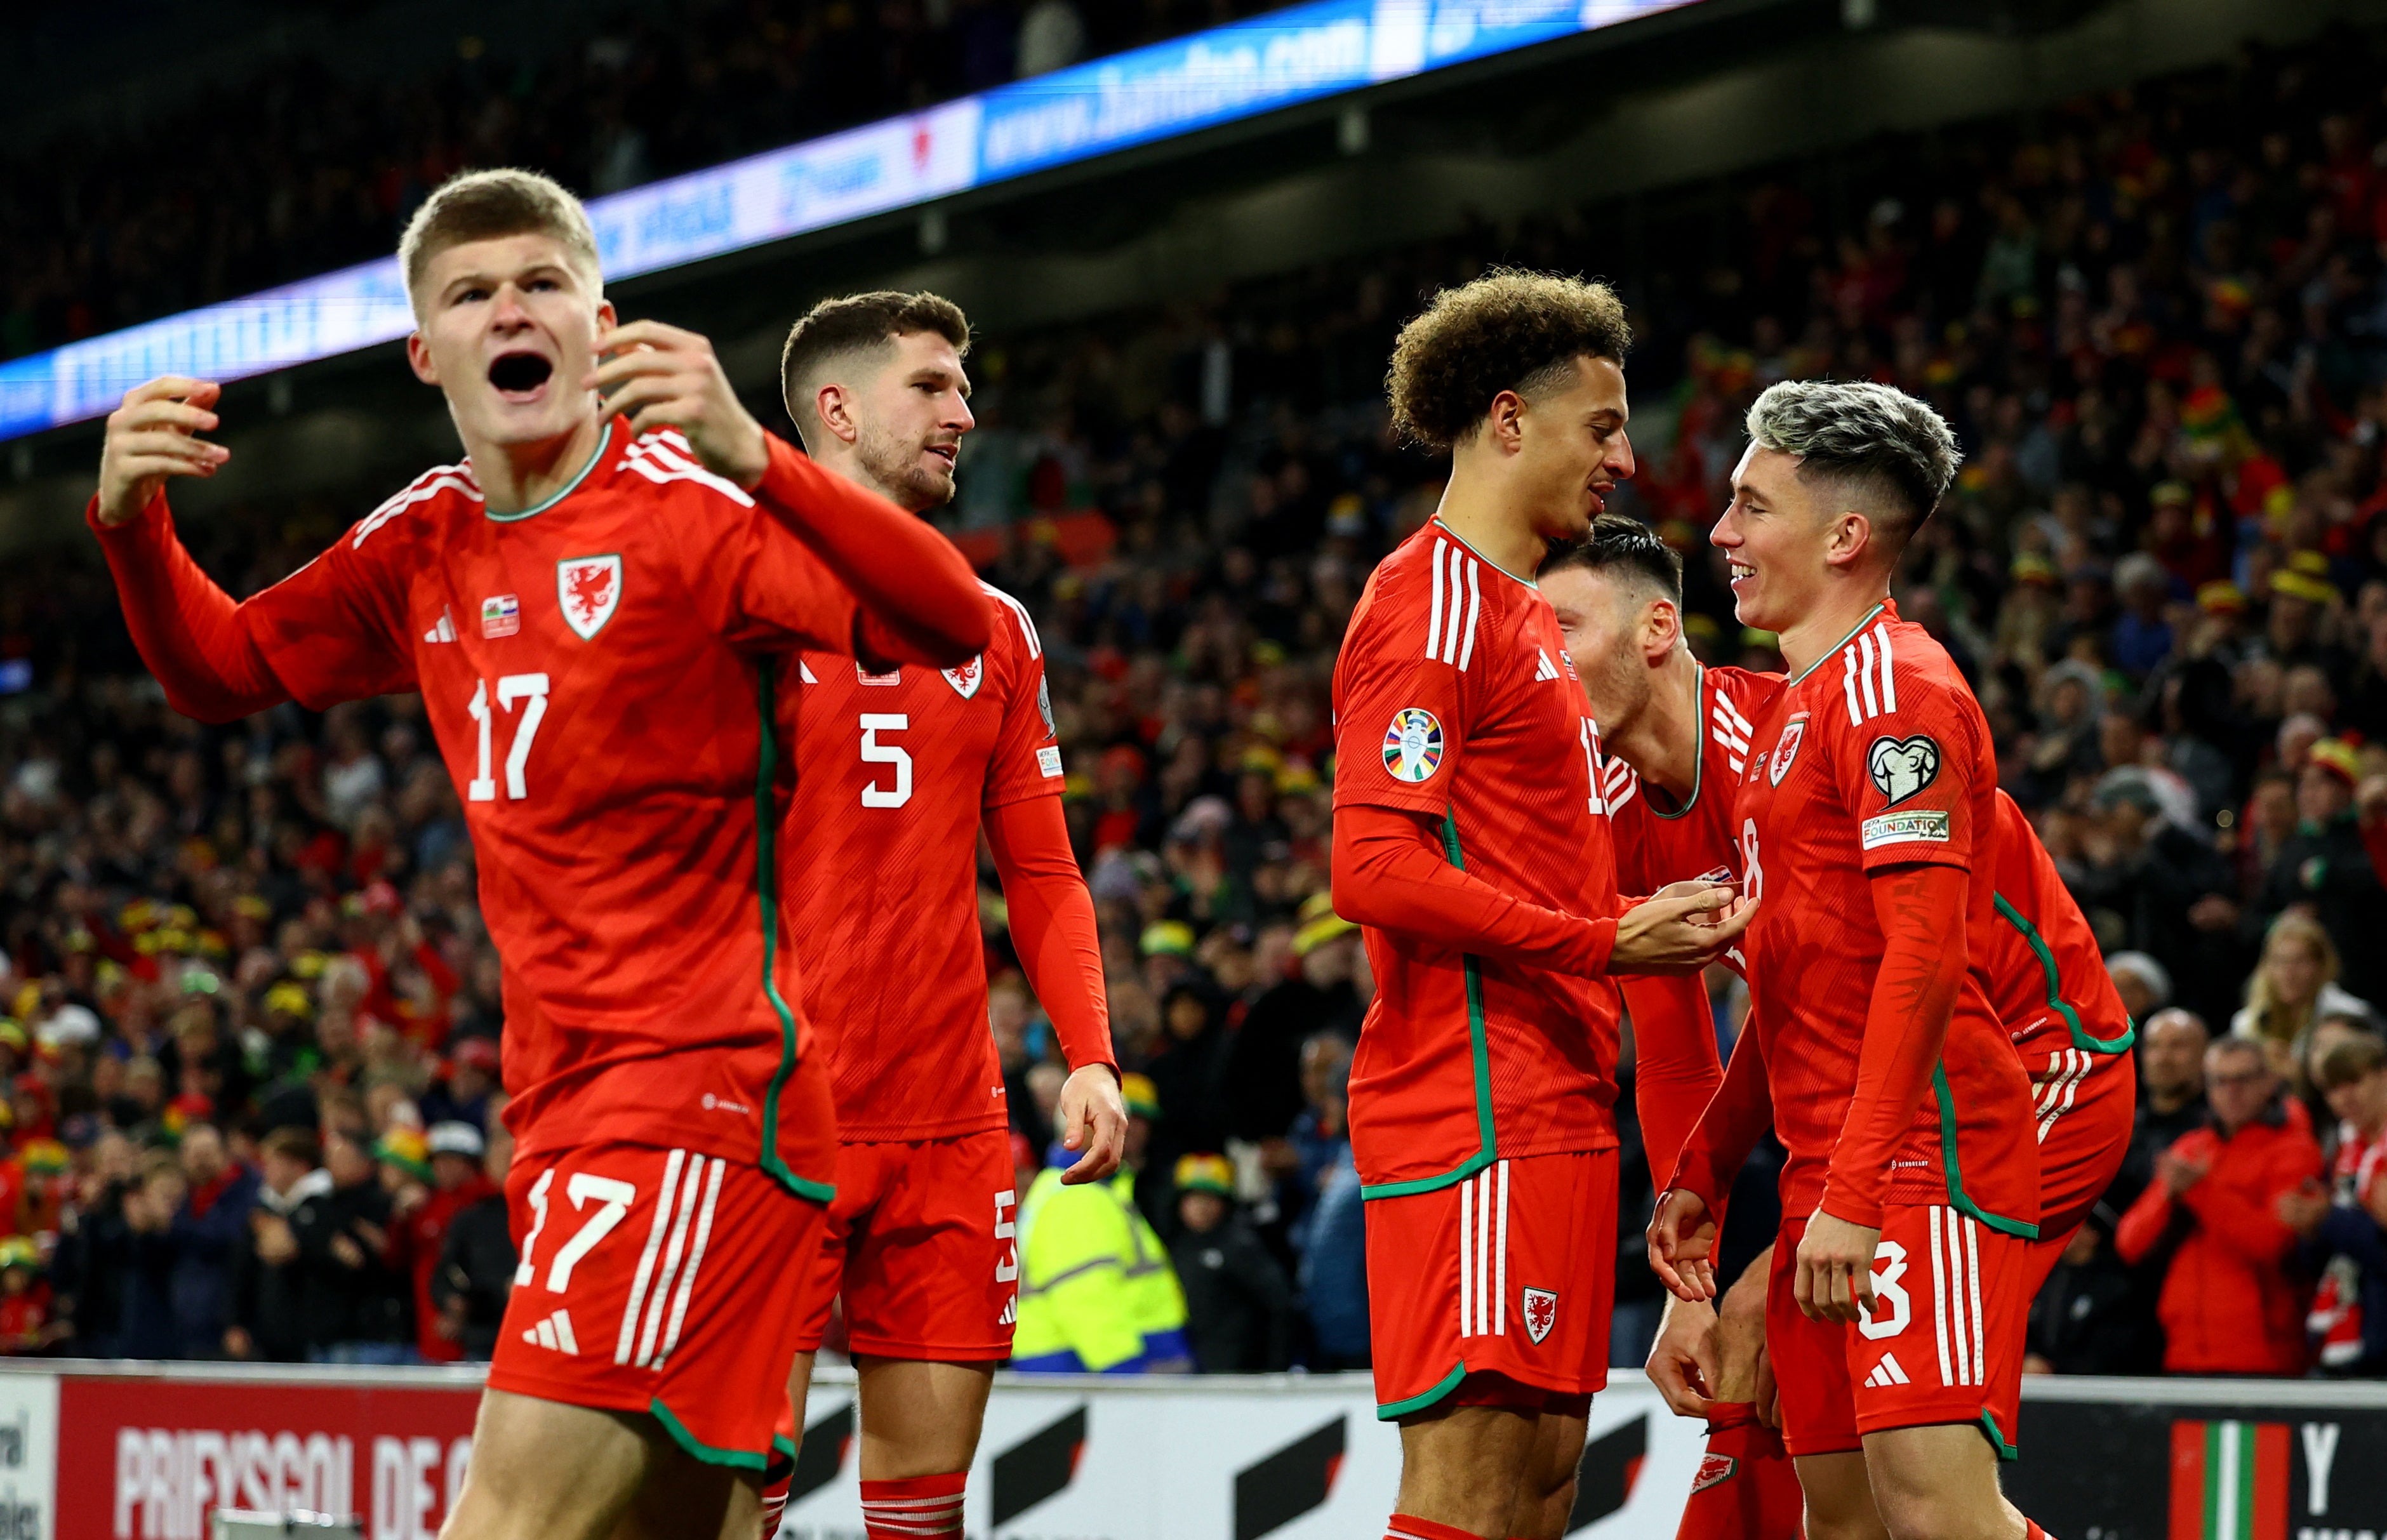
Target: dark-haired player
[
  {"x": 1471, "y": 845},
  {"x": 600, "y": 610},
  {"x": 1677, "y": 747},
  {"x": 1898, "y": 1290},
  {"x": 902, "y": 769}
]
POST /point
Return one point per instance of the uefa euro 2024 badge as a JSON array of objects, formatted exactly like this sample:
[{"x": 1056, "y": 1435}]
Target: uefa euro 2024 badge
[{"x": 1413, "y": 745}]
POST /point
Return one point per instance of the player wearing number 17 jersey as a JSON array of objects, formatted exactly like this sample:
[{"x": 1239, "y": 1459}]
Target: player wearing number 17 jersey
[
  {"x": 1471, "y": 846},
  {"x": 600, "y": 616},
  {"x": 901, "y": 770}
]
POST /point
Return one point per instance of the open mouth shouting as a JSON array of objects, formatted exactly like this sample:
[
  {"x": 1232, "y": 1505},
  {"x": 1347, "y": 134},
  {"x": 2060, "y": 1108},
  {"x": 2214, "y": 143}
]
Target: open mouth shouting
[{"x": 520, "y": 376}]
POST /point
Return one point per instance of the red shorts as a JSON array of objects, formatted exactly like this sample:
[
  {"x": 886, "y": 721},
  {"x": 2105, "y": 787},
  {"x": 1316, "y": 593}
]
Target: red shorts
[
  {"x": 654, "y": 1281},
  {"x": 1746, "y": 1488},
  {"x": 2086, "y": 1105},
  {"x": 1944, "y": 1344},
  {"x": 1504, "y": 1281},
  {"x": 921, "y": 1240}
]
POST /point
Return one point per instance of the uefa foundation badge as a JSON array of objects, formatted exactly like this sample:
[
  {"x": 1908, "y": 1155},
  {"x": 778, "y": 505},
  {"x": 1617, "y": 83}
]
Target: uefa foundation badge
[{"x": 1413, "y": 745}]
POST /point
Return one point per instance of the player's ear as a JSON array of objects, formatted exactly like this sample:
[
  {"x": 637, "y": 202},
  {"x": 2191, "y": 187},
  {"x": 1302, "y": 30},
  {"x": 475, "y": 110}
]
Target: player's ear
[
  {"x": 1851, "y": 537},
  {"x": 607, "y": 319},
  {"x": 418, "y": 358},
  {"x": 1661, "y": 628},
  {"x": 1503, "y": 425},
  {"x": 831, "y": 404}
]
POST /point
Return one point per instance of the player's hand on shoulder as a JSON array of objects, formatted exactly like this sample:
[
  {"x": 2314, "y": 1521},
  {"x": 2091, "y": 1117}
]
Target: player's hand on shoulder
[
  {"x": 152, "y": 435},
  {"x": 662, "y": 376},
  {"x": 1685, "y": 928}
]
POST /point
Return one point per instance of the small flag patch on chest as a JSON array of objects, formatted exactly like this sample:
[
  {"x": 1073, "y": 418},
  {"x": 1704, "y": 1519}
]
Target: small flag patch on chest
[{"x": 500, "y": 615}]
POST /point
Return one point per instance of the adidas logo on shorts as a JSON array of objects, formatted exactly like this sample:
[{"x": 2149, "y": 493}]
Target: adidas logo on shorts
[
  {"x": 555, "y": 1332},
  {"x": 1886, "y": 1373}
]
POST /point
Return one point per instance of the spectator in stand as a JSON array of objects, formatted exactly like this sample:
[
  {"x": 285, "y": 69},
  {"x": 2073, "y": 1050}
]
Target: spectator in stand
[
  {"x": 207, "y": 1229},
  {"x": 476, "y": 1259},
  {"x": 2292, "y": 989},
  {"x": 2325, "y": 868},
  {"x": 418, "y": 1236},
  {"x": 2143, "y": 984},
  {"x": 1263, "y": 1076},
  {"x": 148, "y": 1327},
  {"x": 282, "y": 1301},
  {"x": 343, "y": 1239},
  {"x": 2173, "y": 895},
  {"x": 2347, "y": 1227},
  {"x": 1239, "y": 1310},
  {"x": 1190, "y": 1075},
  {"x": 2232, "y": 1301},
  {"x": 1335, "y": 1270},
  {"x": 462, "y": 1096},
  {"x": 2171, "y": 1097}
]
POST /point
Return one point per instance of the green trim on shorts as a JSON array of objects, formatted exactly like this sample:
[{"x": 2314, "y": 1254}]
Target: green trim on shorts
[
  {"x": 2055, "y": 1001},
  {"x": 1419, "y": 1403},
  {"x": 1998, "y": 1440},
  {"x": 737, "y": 1460},
  {"x": 784, "y": 1445},
  {"x": 1480, "y": 1049},
  {"x": 766, "y": 889},
  {"x": 1958, "y": 1198}
]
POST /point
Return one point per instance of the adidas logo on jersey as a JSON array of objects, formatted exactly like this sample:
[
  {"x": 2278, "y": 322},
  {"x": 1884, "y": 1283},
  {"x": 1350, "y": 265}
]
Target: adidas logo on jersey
[
  {"x": 443, "y": 632},
  {"x": 555, "y": 1332},
  {"x": 1886, "y": 1373},
  {"x": 1544, "y": 669}
]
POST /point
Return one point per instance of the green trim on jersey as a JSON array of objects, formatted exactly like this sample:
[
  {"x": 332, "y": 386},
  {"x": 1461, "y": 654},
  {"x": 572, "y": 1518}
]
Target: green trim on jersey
[
  {"x": 737, "y": 1460},
  {"x": 1957, "y": 1197},
  {"x": 1996, "y": 1439},
  {"x": 767, "y": 886},
  {"x": 1844, "y": 642},
  {"x": 571, "y": 487},
  {"x": 1698, "y": 751},
  {"x": 1393, "y": 1410},
  {"x": 2080, "y": 1038},
  {"x": 1479, "y": 1048}
]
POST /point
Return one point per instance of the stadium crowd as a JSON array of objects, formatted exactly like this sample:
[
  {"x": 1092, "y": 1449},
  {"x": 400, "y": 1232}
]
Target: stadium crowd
[
  {"x": 300, "y": 171},
  {"x": 248, "y": 1065}
]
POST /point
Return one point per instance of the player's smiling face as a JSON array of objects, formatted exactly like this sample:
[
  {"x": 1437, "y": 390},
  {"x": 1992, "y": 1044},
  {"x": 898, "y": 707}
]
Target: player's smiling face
[
  {"x": 507, "y": 329},
  {"x": 1602, "y": 623},
  {"x": 1572, "y": 449},
  {"x": 1773, "y": 540},
  {"x": 911, "y": 416}
]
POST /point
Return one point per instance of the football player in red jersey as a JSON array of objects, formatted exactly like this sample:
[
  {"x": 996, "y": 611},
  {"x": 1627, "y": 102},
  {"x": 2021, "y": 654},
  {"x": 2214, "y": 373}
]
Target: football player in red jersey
[
  {"x": 1911, "y": 1191},
  {"x": 901, "y": 770},
  {"x": 1677, "y": 738},
  {"x": 1471, "y": 845},
  {"x": 1675, "y": 730},
  {"x": 599, "y": 612}
]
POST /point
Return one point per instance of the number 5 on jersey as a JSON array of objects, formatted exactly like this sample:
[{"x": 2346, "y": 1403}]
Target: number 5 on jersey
[
  {"x": 529, "y": 688},
  {"x": 876, "y": 752}
]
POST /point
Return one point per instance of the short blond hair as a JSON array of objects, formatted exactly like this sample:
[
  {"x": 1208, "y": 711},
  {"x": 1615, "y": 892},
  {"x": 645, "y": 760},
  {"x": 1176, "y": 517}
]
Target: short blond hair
[{"x": 488, "y": 206}]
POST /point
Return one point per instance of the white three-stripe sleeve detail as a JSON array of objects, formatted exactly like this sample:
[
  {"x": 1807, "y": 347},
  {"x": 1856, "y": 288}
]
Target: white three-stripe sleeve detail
[
  {"x": 1466, "y": 1257},
  {"x": 1939, "y": 1301},
  {"x": 1889, "y": 683},
  {"x": 1474, "y": 603},
  {"x": 650, "y": 1330},
  {"x": 1849, "y": 684},
  {"x": 1500, "y": 1267},
  {"x": 1973, "y": 1292},
  {"x": 1434, "y": 614},
  {"x": 1864, "y": 676},
  {"x": 647, "y": 1258},
  {"x": 695, "y": 1259},
  {"x": 1451, "y": 612}
]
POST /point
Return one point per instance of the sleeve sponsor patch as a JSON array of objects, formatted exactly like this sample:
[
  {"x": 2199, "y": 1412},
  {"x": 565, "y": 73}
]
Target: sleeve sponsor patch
[
  {"x": 1902, "y": 766},
  {"x": 1901, "y": 828},
  {"x": 1048, "y": 760},
  {"x": 1413, "y": 745}
]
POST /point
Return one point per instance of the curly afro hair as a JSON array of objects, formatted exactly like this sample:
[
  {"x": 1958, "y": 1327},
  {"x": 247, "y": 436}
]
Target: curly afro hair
[{"x": 1507, "y": 329}]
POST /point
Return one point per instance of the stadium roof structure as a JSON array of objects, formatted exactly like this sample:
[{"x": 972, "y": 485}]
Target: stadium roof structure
[{"x": 1262, "y": 65}]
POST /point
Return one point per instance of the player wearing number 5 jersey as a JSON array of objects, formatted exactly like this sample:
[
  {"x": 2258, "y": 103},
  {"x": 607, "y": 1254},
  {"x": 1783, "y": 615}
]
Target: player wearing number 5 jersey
[
  {"x": 1471, "y": 845},
  {"x": 602, "y": 616},
  {"x": 901, "y": 769}
]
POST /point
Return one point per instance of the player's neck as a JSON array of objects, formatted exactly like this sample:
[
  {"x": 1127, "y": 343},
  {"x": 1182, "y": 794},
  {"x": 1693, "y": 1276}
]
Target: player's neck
[
  {"x": 1491, "y": 524},
  {"x": 516, "y": 476},
  {"x": 1662, "y": 744},
  {"x": 1831, "y": 621}
]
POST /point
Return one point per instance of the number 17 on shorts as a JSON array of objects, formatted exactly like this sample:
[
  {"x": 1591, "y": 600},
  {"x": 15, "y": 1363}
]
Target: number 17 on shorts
[{"x": 650, "y": 1280}]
